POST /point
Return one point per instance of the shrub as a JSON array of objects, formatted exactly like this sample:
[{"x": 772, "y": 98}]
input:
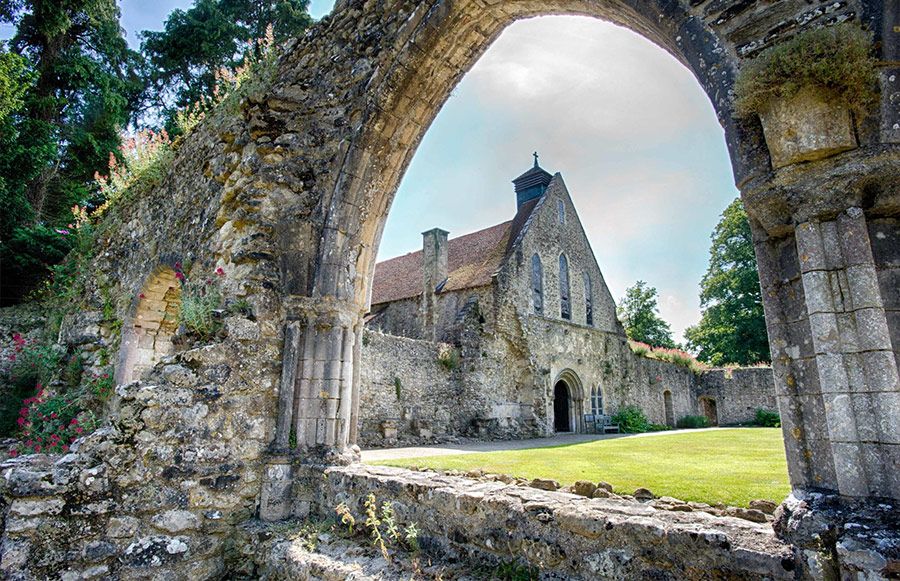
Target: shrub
[
  {"x": 49, "y": 424},
  {"x": 631, "y": 420},
  {"x": 448, "y": 356},
  {"x": 836, "y": 59},
  {"x": 199, "y": 305},
  {"x": 766, "y": 419},
  {"x": 639, "y": 348},
  {"x": 692, "y": 423}
]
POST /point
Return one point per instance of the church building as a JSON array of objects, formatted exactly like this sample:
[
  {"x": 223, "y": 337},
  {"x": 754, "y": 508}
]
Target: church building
[{"x": 507, "y": 332}]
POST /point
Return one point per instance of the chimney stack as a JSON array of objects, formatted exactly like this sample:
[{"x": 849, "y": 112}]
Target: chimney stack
[{"x": 435, "y": 269}]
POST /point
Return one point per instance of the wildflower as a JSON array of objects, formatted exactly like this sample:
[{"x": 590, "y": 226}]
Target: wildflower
[
  {"x": 220, "y": 272},
  {"x": 53, "y": 416},
  {"x": 29, "y": 443},
  {"x": 13, "y": 453},
  {"x": 177, "y": 265},
  {"x": 65, "y": 448},
  {"x": 79, "y": 429},
  {"x": 37, "y": 448},
  {"x": 179, "y": 276},
  {"x": 142, "y": 296},
  {"x": 21, "y": 421},
  {"x": 12, "y": 357},
  {"x": 208, "y": 281}
]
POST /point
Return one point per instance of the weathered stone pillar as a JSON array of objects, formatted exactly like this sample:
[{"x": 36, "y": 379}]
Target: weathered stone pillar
[
  {"x": 827, "y": 241},
  {"x": 435, "y": 269},
  {"x": 316, "y": 402}
]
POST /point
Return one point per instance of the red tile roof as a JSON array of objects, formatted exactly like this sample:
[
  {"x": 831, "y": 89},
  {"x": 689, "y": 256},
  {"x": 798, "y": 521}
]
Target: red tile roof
[{"x": 473, "y": 259}]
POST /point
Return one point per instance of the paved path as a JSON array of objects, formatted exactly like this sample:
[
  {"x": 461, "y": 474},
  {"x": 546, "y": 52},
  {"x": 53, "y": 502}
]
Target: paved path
[{"x": 376, "y": 455}]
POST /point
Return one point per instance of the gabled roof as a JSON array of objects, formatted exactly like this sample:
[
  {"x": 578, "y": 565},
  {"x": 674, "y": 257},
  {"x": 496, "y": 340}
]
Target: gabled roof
[{"x": 473, "y": 260}]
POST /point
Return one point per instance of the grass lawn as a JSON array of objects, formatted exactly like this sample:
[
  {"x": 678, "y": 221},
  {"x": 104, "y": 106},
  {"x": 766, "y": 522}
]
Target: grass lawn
[{"x": 731, "y": 466}]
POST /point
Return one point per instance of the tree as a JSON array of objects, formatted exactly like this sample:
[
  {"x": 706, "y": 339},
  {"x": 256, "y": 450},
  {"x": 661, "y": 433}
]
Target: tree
[
  {"x": 732, "y": 328},
  {"x": 183, "y": 59},
  {"x": 638, "y": 313},
  {"x": 82, "y": 88}
]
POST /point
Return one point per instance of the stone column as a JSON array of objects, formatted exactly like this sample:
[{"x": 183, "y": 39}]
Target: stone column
[
  {"x": 316, "y": 400},
  {"x": 435, "y": 269},
  {"x": 836, "y": 373}
]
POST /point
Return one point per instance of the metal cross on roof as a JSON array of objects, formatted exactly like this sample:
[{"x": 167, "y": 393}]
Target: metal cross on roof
[{"x": 535, "y": 158}]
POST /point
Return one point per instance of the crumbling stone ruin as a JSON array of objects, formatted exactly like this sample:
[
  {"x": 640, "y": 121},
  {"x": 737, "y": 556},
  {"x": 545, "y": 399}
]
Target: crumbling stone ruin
[
  {"x": 289, "y": 197},
  {"x": 525, "y": 306}
]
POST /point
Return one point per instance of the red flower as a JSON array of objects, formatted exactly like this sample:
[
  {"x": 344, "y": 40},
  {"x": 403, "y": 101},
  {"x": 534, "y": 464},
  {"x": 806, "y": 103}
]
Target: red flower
[
  {"x": 21, "y": 421},
  {"x": 142, "y": 296},
  {"x": 65, "y": 448},
  {"x": 179, "y": 276},
  {"x": 220, "y": 272},
  {"x": 177, "y": 265},
  {"x": 13, "y": 453},
  {"x": 37, "y": 448},
  {"x": 13, "y": 357},
  {"x": 53, "y": 416},
  {"x": 17, "y": 339},
  {"x": 79, "y": 429}
]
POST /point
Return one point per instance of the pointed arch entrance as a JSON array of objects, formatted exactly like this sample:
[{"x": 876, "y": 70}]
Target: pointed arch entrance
[{"x": 568, "y": 402}]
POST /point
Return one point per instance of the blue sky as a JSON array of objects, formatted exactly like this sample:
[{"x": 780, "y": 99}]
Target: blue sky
[{"x": 629, "y": 128}]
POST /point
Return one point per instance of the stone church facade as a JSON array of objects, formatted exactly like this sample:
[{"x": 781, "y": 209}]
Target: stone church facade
[{"x": 511, "y": 332}]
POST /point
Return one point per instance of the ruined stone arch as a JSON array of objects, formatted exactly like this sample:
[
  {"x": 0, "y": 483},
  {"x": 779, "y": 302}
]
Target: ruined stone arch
[
  {"x": 149, "y": 330},
  {"x": 575, "y": 396}
]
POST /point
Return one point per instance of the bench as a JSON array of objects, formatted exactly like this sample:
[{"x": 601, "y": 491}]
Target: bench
[{"x": 599, "y": 424}]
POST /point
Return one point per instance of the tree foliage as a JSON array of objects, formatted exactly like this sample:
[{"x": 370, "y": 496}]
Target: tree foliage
[
  {"x": 638, "y": 312},
  {"x": 80, "y": 90},
  {"x": 732, "y": 328},
  {"x": 184, "y": 58}
]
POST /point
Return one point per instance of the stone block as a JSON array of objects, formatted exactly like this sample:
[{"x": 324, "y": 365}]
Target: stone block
[
  {"x": 817, "y": 292},
  {"x": 809, "y": 246},
  {"x": 854, "y": 237},
  {"x": 176, "y": 521},
  {"x": 821, "y": 464},
  {"x": 841, "y": 419},
  {"x": 49, "y": 506},
  {"x": 544, "y": 484},
  {"x": 806, "y": 128},
  {"x": 825, "y": 335},
  {"x": 886, "y": 413},
  {"x": 122, "y": 527},
  {"x": 881, "y": 371},
  {"x": 872, "y": 330},
  {"x": 849, "y": 469},
  {"x": 863, "y": 282},
  {"x": 242, "y": 329},
  {"x": 832, "y": 374},
  {"x": 889, "y": 279},
  {"x": 585, "y": 488}
]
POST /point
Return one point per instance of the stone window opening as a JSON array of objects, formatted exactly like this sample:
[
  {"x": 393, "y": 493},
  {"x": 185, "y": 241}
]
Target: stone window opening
[
  {"x": 564, "y": 304},
  {"x": 148, "y": 333},
  {"x": 588, "y": 302},
  {"x": 596, "y": 401},
  {"x": 537, "y": 284},
  {"x": 561, "y": 210}
]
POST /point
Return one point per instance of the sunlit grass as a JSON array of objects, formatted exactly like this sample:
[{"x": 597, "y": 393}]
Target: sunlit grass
[{"x": 731, "y": 466}]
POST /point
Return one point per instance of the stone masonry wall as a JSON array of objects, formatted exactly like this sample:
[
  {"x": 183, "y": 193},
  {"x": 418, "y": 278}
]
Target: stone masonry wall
[
  {"x": 738, "y": 392},
  {"x": 562, "y": 534}
]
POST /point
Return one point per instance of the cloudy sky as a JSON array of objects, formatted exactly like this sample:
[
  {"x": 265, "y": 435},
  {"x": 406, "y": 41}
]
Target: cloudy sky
[{"x": 629, "y": 128}]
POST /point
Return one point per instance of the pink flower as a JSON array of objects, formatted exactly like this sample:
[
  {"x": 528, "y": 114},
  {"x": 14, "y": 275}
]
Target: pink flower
[
  {"x": 21, "y": 421},
  {"x": 37, "y": 448},
  {"x": 208, "y": 282},
  {"x": 65, "y": 448},
  {"x": 13, "y": 453},
  {"x": 179, "y": 276},
  {"x": 12, "y": 357},
  {"x": 142, "y": 296},
  {"x": 17, "y": 339},
  {"x": 177, "y": 265},
  {"x": 53, "y": 416},
  {"x": 74, "y": 421},
  {"x": 29, "y": 443},
  {"x": 79, "y": 429},
  {"x": 220, "y": 272}
]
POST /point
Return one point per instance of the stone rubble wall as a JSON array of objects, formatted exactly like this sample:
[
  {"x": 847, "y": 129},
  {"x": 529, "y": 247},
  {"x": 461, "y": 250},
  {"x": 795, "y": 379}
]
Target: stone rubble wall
[
  {"x": 484, "y": 396},
  {"x": 157, "y": 492},
  {"x": 562, "y": 534}
]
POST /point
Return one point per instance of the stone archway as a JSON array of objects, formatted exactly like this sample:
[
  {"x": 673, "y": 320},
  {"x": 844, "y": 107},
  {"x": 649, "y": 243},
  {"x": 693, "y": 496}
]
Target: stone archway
[
  {"x": 334, "y": 136},
  {"x": 148, "y": 333},
  {"x": 561, "y": 407}
]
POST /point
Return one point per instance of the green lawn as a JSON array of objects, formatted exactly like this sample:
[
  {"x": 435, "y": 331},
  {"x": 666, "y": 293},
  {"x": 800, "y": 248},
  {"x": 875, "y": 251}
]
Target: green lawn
[{"x": 731, "y": 466}]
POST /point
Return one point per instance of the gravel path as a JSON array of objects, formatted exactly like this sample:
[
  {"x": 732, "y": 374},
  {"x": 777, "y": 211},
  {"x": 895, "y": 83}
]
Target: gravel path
[{"x": 376, "y": 455}]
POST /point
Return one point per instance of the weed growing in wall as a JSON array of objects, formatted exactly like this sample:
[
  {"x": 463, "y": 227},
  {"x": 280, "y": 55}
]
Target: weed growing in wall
[
  {"x": 836, "y": 59},
  {"x": 448, "y": 356},
  {"x": 676, "y": 356},
  {"x": 200, "y": 304},
  {"x": 382, "y": 526},
  {"x": 51, "y": 423}
]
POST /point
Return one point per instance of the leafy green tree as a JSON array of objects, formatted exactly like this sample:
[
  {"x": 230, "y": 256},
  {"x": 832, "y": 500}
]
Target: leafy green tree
[
  {"x": 13, "y": 81},
  {"x": 182, "y": 60},
  {"x": 732, "y": 328},
  {"x": 82, "y": 87},
  {"x": 639, "y": 315}
]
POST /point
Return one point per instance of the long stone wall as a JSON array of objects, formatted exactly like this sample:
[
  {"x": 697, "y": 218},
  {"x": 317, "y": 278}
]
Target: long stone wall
[
  {"x": 409, "y": 398},
  {"x": 561, "y": 534}
]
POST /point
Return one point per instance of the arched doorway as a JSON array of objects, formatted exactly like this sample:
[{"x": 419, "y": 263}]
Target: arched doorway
[
  {"x": 561, "y": 405},
  {"x": 670, "y": 412},
  {"x": 709, "y": 411},
  {"x": 147, "y": 336}
]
